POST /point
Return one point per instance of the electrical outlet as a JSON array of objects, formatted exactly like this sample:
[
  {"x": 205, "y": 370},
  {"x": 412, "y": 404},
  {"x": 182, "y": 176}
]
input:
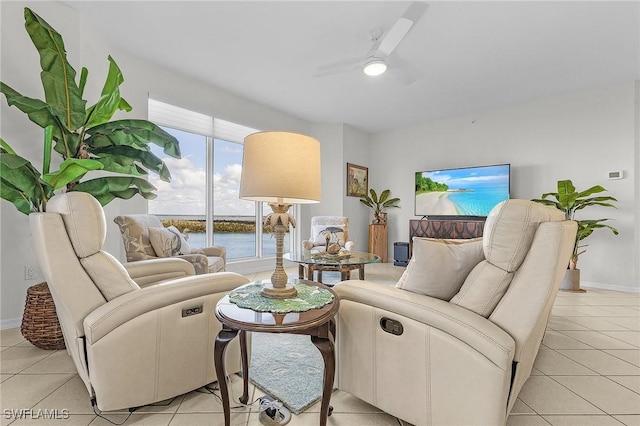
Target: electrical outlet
[{"x": 29, "y": 272}]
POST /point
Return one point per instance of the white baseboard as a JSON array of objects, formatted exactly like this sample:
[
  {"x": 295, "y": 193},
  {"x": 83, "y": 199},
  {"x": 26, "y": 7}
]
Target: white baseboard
[
  {"x": 10, "y": 323},
  {"x": 603, "y": 286}
]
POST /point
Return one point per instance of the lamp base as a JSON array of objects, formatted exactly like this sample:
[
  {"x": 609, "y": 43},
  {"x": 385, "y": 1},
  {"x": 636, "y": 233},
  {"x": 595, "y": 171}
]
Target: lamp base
[{"x": 286, "y": 292}]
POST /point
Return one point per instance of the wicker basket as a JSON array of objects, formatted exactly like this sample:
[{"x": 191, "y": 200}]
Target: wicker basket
[{"x": 40, "y": 324}]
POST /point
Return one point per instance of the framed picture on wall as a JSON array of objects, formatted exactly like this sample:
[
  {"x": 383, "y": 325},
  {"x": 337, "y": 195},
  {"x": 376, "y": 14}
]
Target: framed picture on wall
[{"x": 357, "y": 180}]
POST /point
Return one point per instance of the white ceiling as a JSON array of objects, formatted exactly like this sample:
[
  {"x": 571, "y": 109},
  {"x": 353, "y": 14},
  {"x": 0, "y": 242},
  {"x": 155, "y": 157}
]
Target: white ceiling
[{"x": 473, "y": 55}]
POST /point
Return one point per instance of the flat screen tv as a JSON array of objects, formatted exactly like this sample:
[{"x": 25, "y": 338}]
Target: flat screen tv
[{"x": 468, "y": 191}]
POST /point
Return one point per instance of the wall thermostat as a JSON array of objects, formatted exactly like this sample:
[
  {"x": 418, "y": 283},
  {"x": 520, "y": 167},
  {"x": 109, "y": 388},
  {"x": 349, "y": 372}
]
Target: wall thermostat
[{"x": 617, "y": 174}]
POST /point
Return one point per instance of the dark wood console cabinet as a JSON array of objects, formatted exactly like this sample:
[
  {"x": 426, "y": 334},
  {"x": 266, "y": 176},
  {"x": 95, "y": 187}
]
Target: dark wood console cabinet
[{"x": 444, "y": 228}]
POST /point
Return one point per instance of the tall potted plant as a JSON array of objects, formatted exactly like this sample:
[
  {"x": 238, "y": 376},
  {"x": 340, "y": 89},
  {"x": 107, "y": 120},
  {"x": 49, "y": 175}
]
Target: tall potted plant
[
  {"x": 569, "y": 201},
  {"x": 379, "y": 203},
  {"x": 84, "y": 136},
  {"x": 87, "y": 140}
]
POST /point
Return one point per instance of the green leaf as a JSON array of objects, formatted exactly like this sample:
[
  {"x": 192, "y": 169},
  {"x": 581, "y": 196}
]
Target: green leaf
[
  {"x": 71, "y": 170},
  {"x": 124, "y": 158},
  {"x": 38, "y": 111},
  {"x": 107, "y": 188},
  {"x": 58, "y": 76},
  {"x": 384, "y": 195},
  {"x": 110, "y": 100},
  {"x": 21, "y": 183},
  {"x": 134, "y": 133}
]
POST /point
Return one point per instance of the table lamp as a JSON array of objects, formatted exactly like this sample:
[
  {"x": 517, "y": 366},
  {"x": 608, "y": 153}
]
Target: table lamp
[{"x": 280, "y": 168}]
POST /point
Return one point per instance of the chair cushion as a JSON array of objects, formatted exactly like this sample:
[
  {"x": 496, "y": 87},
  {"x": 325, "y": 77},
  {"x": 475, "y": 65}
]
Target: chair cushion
[
  {"x": 336, "y": 233},
  {"x": 438, "y": 267},
  {"x": 80, "y": 210},
  {"x": 135, "y": 235},
  {"x": 508, "y": 235},
  {"x": 168, "y": 242}
]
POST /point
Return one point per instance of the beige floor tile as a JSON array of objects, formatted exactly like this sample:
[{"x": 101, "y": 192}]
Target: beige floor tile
[
  {"x": 343, "y": 402},
  {"x": 629, "y": 355},
  {"x": 26, "y": 390},
  {"x": 342, "y": 419},
  {"x": 596, "y": 323},
  {"x": 536, "y": 372},
  {"x": 564, "y": 323},
  {"x": 209, "y": 419},
  {"x": 629, "y": 420},
  {"x": 626, "y": 322},
  {"x": 631, "y": 337},
  {"x": 551, "y": 362},
  {"x": 147, "y": 419},
  {"x": 630, "y": 382},
  {"x": 4, "y": 377},
  {"x": 546, "y": 396},
  {"x": 622, "y": 311},
  {"x": 566, "y": 311},
  {"x": 204, "y": 402},
  {"x": 169, "y": 406},
  {"x": 582, "y": 421},
  {"x": 521, "y": 408},
  {"x": 526, "y": 420},
  {"x": 605, "y": 394},
  {"x": 61, "y": 420},
  {"x": 556, "y": 340},
  {"x": 597, "y": 340},
  {"x": 598, "y": 311},
  {"x": 72, "y": 396},
  {"x": 11, "y": 337},
  {"x": 600, "y": 362},
  {"x": 57, "y": 362},
  {"x": 17, "y": 358}
]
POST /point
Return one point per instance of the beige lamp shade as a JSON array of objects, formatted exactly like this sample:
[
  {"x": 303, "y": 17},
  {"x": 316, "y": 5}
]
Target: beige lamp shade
[{"x": 281, "y": 167}]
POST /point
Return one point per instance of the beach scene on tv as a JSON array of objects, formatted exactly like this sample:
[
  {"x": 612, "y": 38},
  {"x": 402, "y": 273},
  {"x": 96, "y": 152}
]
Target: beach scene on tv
[{"x": 471, "y": 191}]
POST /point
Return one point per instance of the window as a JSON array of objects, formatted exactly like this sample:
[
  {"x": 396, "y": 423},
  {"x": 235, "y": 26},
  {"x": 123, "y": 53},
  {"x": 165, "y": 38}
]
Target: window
[{"x": 203, "y": 193}]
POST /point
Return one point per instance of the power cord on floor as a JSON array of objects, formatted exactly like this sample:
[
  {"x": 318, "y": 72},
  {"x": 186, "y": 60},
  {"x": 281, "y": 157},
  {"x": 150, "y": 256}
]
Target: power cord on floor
[{"x": 98, "y": 412}]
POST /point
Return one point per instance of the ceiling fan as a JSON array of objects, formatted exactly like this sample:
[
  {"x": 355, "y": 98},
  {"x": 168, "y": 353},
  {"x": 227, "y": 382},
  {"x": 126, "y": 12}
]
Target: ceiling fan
[{"x": 379, "y": 57}]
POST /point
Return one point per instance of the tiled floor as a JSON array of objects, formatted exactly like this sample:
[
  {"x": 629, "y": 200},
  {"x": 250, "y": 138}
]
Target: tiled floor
[{"x": 587, "y": 373}]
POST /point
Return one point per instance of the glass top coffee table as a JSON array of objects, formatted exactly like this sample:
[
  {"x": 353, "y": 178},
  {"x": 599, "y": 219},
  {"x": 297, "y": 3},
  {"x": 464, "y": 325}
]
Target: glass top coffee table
[{"x": 344, "y": 263}]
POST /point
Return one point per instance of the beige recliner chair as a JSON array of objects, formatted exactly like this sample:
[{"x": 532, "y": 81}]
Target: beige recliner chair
[
  {"x": 131, "y": 346},
  {"x": 135, "y": 230},
  {"x": 461, "y": 360}
]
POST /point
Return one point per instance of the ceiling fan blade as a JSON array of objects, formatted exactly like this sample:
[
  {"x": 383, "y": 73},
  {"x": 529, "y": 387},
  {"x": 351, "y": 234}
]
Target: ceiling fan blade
[
  {"x": 339, "y": 70},
  {"x": 401, "y": 28},
  {"x": 340, "y": 64},
  {"x": 405, "y": 72}
]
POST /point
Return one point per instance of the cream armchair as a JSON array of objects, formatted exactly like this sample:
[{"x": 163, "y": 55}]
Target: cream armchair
[
  {"x": 143, "y": 238},
  {"x": 131, "y": 346},
  {"x": 434, "y": 359},
  {"x": 333, "y": 228}
]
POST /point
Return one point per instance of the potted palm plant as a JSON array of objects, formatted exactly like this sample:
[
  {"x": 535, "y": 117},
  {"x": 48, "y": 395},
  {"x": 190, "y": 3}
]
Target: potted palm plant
[
  {"x": 379, "y": 204},
  {"x": 569, "y": 201},
  {"x": 87, "y": 140}
]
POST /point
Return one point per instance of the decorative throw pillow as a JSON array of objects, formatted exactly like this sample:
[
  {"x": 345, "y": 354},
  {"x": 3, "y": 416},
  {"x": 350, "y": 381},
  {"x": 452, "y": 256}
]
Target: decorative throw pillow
[
  {"x": 168, "y": 242},
  {"x": 438, "y": 267},
  {"x": 335, "y": 233}
]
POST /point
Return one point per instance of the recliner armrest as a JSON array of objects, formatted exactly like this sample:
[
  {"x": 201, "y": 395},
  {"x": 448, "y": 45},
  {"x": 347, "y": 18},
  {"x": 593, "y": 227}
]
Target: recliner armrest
[
  {"x": 467, "y": 326},
  {"x": 135, "y": 303},
  {"x": 146, "y": 272},
  {"x": 217, "y": 251}
]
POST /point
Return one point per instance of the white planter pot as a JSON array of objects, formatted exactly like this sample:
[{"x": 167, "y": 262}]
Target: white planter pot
[{"x": 571, "y": 281}]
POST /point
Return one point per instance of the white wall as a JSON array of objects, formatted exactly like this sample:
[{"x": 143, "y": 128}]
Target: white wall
[{"x": 580, "y": 136}]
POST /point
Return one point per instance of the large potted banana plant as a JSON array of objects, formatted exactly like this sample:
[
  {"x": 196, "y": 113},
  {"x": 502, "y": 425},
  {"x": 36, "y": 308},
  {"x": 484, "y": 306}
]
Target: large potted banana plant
[
  {"x": 87, "y": 141},
  {"x": 568, "y": 200},
  {"x": 85, "y": 137}
]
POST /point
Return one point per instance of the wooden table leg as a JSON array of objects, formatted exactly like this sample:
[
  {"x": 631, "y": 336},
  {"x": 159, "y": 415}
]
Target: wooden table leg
[
  {"x": 326, "y": 347},
  {"x": 361, "y": 271},
  {"x": 219, "y": 348},
  {"x": 301, "y": 271},
  {"x": 245, "y": 367}
]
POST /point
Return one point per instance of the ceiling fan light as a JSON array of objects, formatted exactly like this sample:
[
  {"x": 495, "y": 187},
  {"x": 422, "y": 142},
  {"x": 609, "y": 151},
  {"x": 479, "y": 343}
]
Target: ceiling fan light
[{"x": 375, "y": 66}]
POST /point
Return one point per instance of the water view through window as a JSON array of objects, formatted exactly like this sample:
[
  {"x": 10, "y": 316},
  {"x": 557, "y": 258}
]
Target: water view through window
[{"x": 203, "y": 197}]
